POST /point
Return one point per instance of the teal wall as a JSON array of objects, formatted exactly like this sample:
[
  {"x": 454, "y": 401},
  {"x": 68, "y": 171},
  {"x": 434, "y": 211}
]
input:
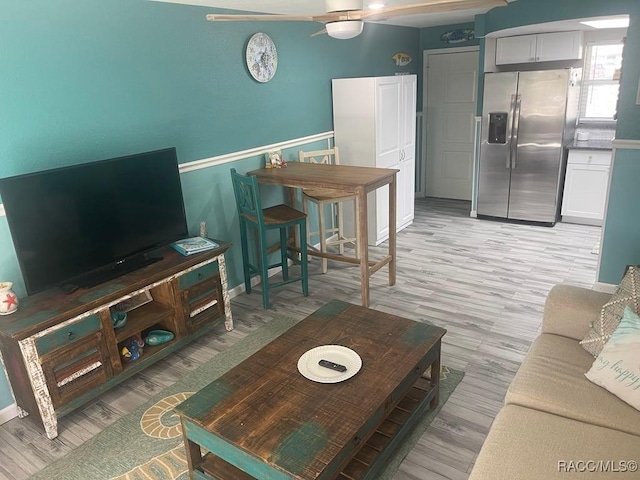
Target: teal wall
[
  {"x": 622, "y": 230},
  {"x": 621, "y": 242},
  {"x": 85, "y": 80},
  {"x": 620, "y": 245}
]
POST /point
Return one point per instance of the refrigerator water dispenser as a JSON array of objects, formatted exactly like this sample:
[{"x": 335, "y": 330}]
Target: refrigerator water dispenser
[{"x": 498, "y": 127}]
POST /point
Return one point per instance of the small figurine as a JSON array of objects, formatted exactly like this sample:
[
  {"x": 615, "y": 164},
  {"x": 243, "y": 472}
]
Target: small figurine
[
  {"x": 158, "y": 337},
  {"x": 118, "y": 319},
  {"x": 132, "y": 349},
  {"x": 8, "y": 298}
]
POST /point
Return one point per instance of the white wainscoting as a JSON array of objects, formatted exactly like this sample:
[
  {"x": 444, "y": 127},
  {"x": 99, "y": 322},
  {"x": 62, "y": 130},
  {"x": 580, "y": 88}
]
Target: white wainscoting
[{"x": 253, "y": 152}]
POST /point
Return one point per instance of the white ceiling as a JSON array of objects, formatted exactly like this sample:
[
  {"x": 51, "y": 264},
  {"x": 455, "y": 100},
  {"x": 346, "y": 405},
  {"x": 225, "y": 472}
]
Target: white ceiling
[{"x": 314, "y": 7}]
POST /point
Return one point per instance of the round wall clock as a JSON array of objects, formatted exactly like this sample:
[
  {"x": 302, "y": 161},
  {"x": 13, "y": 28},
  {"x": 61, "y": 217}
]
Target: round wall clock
[{"x": 262, "y": 57}]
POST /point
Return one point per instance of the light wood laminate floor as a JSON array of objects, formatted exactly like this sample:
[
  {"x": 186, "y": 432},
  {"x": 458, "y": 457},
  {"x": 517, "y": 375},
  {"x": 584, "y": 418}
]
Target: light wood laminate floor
[{"x": 484, "y": 281}]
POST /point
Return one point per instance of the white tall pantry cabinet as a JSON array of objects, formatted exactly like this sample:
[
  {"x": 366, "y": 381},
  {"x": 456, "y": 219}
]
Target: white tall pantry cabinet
[{"x": 374, "y": 123}]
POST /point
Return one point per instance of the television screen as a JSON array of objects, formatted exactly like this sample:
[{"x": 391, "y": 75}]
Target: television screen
[{"x": 68, "y": 222}]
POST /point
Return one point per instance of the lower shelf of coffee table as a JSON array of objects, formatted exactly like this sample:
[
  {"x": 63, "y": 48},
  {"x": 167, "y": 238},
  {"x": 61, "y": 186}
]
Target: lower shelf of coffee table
[{"x": 371, "y": 457}]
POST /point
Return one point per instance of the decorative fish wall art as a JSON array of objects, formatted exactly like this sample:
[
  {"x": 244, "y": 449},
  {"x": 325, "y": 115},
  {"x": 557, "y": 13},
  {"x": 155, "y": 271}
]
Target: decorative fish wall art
[
  {"x": 401, "y": 59},
  {"x": 458, "y": 36}
]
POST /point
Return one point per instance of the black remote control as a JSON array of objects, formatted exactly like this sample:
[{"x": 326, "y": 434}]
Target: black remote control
[{"x": 333, "y": 366}]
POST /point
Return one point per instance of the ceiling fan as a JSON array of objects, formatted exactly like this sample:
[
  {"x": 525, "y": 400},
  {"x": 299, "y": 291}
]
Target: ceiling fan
[{"x": 345, "y": 18}]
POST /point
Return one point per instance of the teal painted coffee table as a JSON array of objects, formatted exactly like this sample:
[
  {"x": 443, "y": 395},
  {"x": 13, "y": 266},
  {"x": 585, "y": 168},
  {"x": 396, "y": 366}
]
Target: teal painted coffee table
[{"x": 264, "y": 420}]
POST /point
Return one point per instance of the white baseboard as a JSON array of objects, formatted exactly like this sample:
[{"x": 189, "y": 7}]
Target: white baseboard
[
  {"x": 604, "y": 287},
  {"x": 8, "y": 413},
  {"x": 235, "y": 291},
  {"x": 582, "y": 221}
]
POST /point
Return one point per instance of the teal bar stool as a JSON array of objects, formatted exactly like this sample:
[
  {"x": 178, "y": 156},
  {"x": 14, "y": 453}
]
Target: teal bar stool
[{"x": 280, "y": 217}]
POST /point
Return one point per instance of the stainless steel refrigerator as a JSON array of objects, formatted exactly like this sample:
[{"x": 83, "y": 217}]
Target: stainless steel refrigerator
[{"x": 527, "y": 118}]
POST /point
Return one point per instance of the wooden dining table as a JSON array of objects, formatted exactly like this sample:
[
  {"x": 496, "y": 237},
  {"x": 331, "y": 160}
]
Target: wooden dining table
[{"x": 352, "y": 180}]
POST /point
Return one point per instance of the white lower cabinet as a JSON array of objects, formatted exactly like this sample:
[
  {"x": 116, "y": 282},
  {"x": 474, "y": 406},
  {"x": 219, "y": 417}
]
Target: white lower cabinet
[{"x": 585, "y": 187}]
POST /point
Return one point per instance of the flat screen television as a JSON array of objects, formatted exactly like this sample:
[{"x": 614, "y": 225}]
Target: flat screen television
[{"x": 79, "y": 226}]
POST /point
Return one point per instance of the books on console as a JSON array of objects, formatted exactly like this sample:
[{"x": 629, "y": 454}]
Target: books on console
[{"x": 189, "y": 246}]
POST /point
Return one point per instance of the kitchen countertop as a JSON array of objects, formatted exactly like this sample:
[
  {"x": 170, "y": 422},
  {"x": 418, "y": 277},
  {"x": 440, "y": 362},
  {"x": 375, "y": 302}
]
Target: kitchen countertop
[{"x": 591, "y": 144}]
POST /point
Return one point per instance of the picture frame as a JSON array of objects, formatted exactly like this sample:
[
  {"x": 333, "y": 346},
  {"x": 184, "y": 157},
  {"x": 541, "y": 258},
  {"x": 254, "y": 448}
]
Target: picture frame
[{"x": 274, "y": 159}]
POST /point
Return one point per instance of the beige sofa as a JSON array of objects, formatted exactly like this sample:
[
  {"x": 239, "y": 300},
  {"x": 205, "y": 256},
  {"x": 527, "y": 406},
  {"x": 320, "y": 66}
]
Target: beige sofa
[{"x": 555, "y": 423}]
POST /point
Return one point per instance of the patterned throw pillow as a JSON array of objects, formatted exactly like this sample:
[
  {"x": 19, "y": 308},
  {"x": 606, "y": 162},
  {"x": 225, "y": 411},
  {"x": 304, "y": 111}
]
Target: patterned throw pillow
[
  {"x": 617, "y": 368},
  {"x": 628, "y": 293}
]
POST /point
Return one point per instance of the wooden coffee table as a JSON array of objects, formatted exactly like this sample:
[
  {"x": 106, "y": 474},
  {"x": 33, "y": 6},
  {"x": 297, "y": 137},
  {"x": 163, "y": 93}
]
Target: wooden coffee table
[{"x": 264, "y": 420}]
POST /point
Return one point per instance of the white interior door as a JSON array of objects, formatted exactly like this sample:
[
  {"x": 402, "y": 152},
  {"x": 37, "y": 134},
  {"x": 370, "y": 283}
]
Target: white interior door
[{"x": 451, "y": 88}]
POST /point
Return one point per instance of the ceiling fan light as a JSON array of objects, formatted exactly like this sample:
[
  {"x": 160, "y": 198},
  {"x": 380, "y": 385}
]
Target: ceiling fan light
[{"x": 345, "y": 29}]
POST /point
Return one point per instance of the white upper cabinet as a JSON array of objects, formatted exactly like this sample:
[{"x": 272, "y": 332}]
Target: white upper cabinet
[
  {"x": 559, "y": 46},
  {"x": 519, "y": 49},
  {"x": 542, "y": 47}
]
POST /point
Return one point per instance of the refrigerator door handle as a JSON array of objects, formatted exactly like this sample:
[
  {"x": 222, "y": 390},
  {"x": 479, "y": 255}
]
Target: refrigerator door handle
[
  {"x": 515, "y": 132},
  {"x": 512, "y": 109}
]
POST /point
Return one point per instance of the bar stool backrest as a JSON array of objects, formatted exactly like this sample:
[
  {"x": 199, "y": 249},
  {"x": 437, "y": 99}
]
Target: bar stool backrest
[
  {"x": 330, "y": 156},
  {"x": 245, "y": 188}
]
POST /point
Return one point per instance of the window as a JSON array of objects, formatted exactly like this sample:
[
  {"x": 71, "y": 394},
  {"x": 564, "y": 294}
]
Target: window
[{"x": 600, "y": 82}]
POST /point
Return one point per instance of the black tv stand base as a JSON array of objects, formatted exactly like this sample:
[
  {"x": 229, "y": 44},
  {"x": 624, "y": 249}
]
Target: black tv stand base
[
  {"x": 69, "y": 288},
  {"x": 104, "y": 275}
]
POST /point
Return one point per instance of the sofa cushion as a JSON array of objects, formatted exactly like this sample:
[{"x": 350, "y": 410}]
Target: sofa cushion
[
  {"x": 551, "y": 379},
  {"x": 527, "y": 444},
  {"x": 617, "y": 368},
  {"x": 627, "y": 294},
  {"x": 570, "y": 310}
]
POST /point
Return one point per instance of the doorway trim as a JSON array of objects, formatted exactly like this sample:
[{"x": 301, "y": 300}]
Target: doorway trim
[{"x": 422, "y": 183}]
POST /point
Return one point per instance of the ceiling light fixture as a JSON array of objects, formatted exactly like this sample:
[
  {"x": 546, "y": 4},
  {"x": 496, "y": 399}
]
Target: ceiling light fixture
[
  {"x": 345, "y": 29},
  {"x": 608, "y": 23}
]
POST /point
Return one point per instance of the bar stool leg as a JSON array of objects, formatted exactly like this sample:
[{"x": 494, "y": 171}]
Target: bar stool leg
[
  {"x": 341, "y": 226},
  {"x": 245, "y": 255},
  {"x": 304, "y": 257},
  {"x": 355, "y": 216},
  {"x": 264, "y": 268},
  {"x": 283, "y": 253},
  {"x": 323, "y": 234},
  {"x": 305, "y": 207}
]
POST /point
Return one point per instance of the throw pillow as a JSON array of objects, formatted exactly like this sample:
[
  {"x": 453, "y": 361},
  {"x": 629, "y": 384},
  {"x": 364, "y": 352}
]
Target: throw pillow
[
  {"x": 628, "y": 293},
  {"x": 617, "y": 368}
]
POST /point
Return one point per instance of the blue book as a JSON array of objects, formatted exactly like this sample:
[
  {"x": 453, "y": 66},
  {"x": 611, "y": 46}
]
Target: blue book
[{"x": 189, "y": 246}]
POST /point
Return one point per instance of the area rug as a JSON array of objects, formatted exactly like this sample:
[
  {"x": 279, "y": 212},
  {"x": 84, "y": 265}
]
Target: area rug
[{"x": 147, "y": 442}]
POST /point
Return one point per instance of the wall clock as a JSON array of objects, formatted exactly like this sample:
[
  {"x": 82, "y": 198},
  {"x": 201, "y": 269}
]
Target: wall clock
[{"x": 262, "y": 57}]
